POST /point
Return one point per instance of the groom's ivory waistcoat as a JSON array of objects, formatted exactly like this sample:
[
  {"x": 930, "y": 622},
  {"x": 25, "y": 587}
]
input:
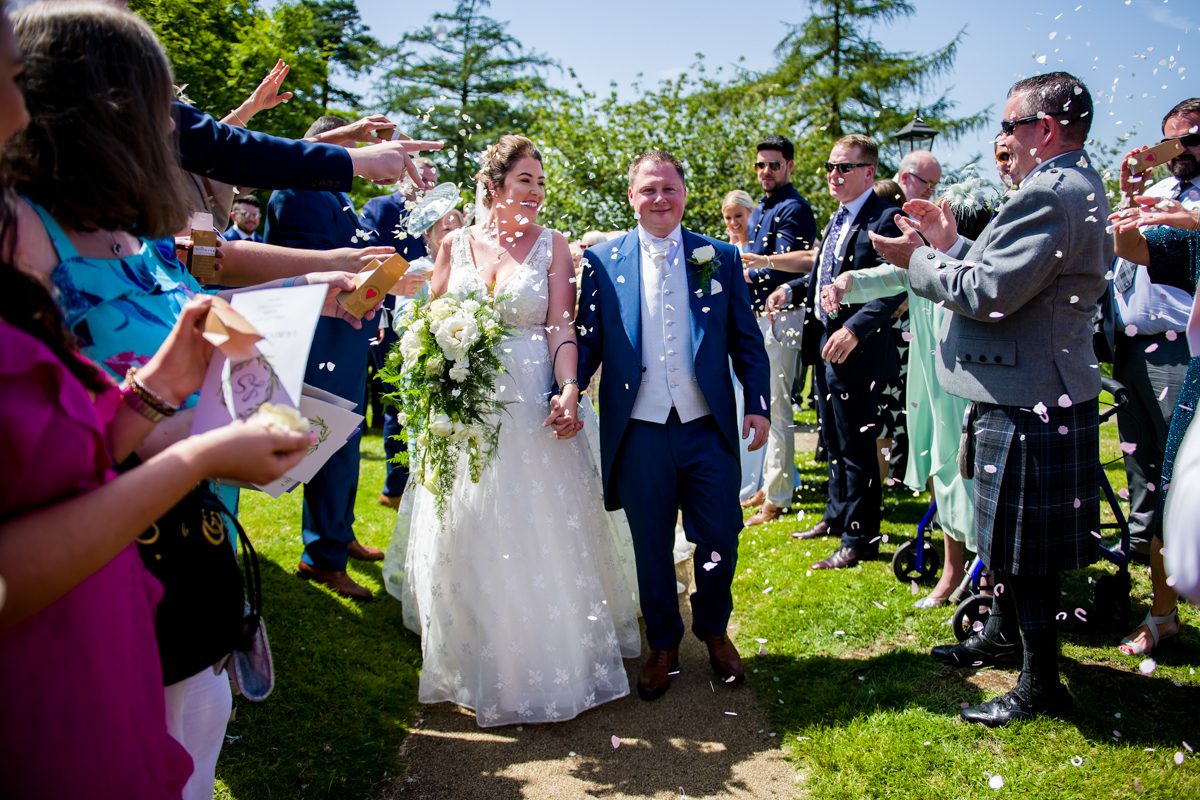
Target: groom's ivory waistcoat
[{"x": 669, "y": 376}]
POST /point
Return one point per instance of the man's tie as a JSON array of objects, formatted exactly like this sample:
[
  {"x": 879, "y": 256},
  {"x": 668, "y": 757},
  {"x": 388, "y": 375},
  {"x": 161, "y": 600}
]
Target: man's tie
[
  {"x": 829, "y": 258},
  {"x": 658, "y": 250},
  {"x": 1127, "y": 272}
]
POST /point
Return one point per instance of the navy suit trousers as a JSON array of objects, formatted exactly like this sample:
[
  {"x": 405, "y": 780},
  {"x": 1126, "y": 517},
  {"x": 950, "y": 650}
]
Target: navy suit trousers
[
  {"x": 660, "y": 470},
  {"x": 328, "y": 520},
  {"x": 849, "y": 426}
]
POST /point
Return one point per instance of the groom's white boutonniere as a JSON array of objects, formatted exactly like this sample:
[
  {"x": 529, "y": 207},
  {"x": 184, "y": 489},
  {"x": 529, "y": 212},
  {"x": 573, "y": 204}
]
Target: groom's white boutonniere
[{"x": 704, "y": 257}]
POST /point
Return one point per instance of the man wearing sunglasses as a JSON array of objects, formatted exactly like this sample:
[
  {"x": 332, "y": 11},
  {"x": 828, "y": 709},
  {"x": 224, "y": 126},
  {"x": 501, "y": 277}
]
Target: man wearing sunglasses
[
  {"x": 858, "y": 354},
  {"x": 1150, "y": 352},
  {"x": 781, "y": 222},
  {"x": 247, "y": 213},
  {"x": 1019, "y": 347}
]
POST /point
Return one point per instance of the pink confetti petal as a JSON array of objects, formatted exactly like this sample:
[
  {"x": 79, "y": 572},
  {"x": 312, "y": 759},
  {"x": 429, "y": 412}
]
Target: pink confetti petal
[
  {"x": 616, "y": 742},
  {"x": 1128, "y": 448}
]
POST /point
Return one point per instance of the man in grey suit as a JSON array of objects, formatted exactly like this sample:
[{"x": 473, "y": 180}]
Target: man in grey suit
[{"x": 1019, "y": 347}]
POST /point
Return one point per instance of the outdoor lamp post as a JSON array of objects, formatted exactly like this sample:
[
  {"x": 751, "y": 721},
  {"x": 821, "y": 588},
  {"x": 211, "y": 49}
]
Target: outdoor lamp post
[{"x": 916, "y": 135}]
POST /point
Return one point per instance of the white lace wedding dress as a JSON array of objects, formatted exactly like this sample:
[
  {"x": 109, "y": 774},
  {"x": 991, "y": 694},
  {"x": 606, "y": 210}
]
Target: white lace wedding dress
[{"x": 524, "y": 596}]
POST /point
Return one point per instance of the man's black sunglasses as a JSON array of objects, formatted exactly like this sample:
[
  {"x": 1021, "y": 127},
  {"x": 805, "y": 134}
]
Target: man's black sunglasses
[
  {"x": 1009, "y": 126},
  {"x": 1187, "y": 140},
  {"x": 843, "y": 167},
  {"x": 774, "y": 166}
]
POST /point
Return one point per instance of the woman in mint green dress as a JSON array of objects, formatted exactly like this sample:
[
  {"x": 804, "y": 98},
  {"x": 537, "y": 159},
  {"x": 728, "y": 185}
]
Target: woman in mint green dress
[{"x": 934, "y": 418}]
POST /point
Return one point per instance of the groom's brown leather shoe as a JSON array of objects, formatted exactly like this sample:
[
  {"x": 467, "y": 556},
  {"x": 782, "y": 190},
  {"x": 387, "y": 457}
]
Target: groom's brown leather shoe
[
  {"x": 360, "y": 552},
  {"x": 723, "y": 657},
  {"x": 337, "y": 580},
  {"x": 655, "y": 677}
]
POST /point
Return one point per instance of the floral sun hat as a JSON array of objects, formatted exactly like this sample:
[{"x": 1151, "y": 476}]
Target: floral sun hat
[{"x": 434, "y": 205}]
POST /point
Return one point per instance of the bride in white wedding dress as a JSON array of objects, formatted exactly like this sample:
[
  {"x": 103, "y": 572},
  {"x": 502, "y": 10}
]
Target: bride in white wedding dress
[{"x": 524, "y": 596}]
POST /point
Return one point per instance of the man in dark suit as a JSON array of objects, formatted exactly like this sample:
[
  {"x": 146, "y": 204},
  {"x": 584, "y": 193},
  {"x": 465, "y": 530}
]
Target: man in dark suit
[
  {"x": 665, "y": 312},
  {"x": 1019, "y": 347},
  {"x": 858, "y": 356},
  {"x": 337, "y": 363}
]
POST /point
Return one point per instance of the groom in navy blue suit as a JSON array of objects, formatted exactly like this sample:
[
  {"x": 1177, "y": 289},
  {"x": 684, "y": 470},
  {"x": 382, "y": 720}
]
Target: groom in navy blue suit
[{"x": 664, "y": 312}]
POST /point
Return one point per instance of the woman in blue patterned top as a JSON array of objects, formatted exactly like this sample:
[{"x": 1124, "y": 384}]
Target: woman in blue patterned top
[
  {"x": 103, "y": 196},
  {"x": 1172, "y": 256}
]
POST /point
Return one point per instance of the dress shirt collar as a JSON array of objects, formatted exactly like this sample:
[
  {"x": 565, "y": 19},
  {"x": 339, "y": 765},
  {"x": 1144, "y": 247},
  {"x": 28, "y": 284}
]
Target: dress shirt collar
[
  {"x": 786, "y": 192},
  {"x": 856, "y": 205},
  {"x": 673, "y": 238}
]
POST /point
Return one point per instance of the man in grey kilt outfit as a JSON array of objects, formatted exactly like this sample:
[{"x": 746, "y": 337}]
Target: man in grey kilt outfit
[{"x": 1019, "y": 347}]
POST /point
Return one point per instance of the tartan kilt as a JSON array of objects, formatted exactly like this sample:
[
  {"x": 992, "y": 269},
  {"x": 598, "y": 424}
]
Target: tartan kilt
[{"x": 1037, "y": 493}]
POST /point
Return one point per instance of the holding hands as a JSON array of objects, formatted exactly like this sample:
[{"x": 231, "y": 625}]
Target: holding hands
[{"x": 564, "y": 413}]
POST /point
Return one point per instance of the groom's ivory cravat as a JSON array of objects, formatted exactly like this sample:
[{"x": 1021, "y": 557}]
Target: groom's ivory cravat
[{"x": 669, "y": 376}]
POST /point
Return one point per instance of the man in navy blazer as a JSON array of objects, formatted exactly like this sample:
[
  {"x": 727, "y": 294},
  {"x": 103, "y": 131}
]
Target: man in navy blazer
[
  {"x": 324, "y": 220},
  {"x": 858, "y": 354},
  {"x": 664, "y": 312}
]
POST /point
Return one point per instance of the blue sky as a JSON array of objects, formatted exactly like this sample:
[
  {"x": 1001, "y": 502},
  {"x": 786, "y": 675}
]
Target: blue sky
[{"x": 1131, "y": 53}]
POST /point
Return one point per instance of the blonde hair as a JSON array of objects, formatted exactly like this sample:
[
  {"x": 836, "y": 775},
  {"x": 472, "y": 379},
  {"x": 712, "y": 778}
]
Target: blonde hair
[
  {"x": 738, "y": 197},
  {"x": 499, "y": 159}
]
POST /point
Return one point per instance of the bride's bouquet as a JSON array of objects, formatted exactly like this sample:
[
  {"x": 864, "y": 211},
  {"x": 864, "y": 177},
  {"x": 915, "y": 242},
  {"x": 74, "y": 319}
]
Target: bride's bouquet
[{"x": 443, "y": 371}]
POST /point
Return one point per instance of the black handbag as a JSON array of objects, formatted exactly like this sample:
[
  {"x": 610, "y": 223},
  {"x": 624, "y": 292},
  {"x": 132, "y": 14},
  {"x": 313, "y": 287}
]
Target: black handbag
[{"x": 211, "y": 606}]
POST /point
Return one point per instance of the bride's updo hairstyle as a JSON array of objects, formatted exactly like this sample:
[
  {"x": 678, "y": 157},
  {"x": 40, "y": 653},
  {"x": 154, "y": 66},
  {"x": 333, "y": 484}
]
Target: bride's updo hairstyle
[
  {"x": 499, "y": 159},
  {"x": 98, "y": 152}
]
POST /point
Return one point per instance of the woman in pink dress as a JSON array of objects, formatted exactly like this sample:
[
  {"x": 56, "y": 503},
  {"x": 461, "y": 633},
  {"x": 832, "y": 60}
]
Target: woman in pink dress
[{"x": 82, "y": 691}]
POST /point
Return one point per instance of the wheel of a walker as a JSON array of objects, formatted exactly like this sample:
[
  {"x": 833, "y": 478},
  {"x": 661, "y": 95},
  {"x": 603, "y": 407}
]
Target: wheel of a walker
[
  {"x": 971, "y": 615},
  {"x": 1111, "y": 604},
  {"x": 904, "y": 563}
]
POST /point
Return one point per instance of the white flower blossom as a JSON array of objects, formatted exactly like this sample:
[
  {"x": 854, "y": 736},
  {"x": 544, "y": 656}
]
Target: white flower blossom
[{"x": 440, "y": 424}]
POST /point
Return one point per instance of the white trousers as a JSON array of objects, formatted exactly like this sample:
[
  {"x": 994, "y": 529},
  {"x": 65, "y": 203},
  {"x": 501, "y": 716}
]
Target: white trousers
[
  {"x": 198, "y": 710},
  {"x": 779, "y": 469}
]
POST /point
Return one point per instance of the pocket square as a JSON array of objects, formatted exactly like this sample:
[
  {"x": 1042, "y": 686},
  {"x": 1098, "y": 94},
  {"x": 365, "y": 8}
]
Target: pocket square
[{"x": 715, "y": 287}]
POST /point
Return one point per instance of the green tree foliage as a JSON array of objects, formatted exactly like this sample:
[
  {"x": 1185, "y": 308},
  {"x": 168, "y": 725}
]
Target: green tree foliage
[
  {"x": 588, "y": 143},
  {"x": 462, "y": 78},
  {"x": 221, "y": 49},
  {"x": 844, "y": 81}
]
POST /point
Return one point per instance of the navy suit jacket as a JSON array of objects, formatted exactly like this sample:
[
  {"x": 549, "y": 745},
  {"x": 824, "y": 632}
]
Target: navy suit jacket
[
  {"x": 383, "y": 217},
  {"x": 312, "y": 220},
  {"x": 232, "y": 234},
  {"x": 778, "y": 224},
  {"x": 875, "y": 356},
  {"x": 723, "y": 329},
  {"x": 242, "y": 157}
]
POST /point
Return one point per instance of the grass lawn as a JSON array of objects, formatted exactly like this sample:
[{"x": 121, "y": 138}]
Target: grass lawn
[{"x": 859, "y": 706}]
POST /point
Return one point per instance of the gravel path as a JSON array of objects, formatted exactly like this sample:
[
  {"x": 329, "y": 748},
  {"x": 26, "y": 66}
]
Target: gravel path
[{"x": 701, "y": 740}]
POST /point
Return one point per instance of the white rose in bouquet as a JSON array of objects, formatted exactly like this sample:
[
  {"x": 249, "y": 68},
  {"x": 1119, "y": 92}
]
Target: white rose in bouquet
[
  {"x": 471, "y": 306},
  {"x": 410, "y": 347},
  {"x": 434, "y": 365},
  {"x": 459, "y": 371},
  {"x": 456, "y": 334},
  {"x": 460, "y": 432},
  {"x": 441, "y": 308},
  {"x": 440, "y": 424}
]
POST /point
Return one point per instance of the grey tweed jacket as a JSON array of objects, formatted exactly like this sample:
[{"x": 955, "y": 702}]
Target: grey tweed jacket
[{"x": 1025, "y": 293}]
